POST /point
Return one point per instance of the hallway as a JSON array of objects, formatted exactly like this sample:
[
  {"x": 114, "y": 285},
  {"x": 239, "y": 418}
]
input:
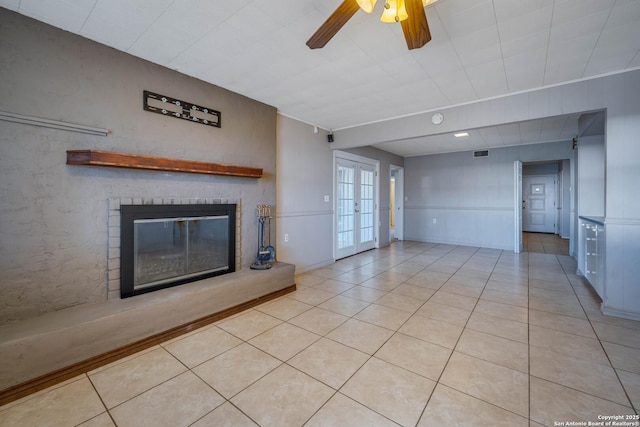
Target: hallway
[{"x": 544, "y": 243}]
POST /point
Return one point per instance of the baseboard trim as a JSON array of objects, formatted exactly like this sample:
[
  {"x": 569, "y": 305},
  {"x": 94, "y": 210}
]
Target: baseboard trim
[
  {"x": 307, "y": 268},
  {"x": 19, "y": 391},
  {"x": 624, "y": 314}
]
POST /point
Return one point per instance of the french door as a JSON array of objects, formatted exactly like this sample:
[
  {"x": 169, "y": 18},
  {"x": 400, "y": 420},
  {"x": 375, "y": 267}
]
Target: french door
[{"x": 355, "y": 207}]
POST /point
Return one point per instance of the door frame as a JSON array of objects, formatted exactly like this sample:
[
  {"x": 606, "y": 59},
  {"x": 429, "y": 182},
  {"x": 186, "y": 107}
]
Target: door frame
[
  {"x": 337, "y": 154},
  {"x": 569, "y": 205},
  {"x": 398, "y": 202},
  {"x": 517, "y": 206}
]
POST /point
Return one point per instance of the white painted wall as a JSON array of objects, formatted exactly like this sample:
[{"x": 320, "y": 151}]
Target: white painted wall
[
  {"x": 622, "y": 194},
  {"x": 540, "y": 169},
  {"x": 471, "y": 199},
  {"x": 591, "y": 176}
]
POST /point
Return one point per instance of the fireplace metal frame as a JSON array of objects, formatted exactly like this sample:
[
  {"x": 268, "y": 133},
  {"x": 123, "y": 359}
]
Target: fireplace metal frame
[{"x": 130, "y": 213}]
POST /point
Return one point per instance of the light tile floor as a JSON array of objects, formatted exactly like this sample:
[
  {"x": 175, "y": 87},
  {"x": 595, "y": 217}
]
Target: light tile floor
[
  {"x": 414, "y": 334},
  {"x": 545, "y": 243}
]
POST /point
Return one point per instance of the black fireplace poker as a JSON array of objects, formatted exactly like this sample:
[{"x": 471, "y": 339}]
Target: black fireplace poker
[{"x": 266, "y": 253}]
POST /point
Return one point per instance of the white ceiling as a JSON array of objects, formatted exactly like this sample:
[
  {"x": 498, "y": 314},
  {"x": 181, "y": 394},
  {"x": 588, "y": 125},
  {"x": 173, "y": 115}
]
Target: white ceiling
[
  {"x": 551, "y": 129},
  {"x": 480, "y": 49}
]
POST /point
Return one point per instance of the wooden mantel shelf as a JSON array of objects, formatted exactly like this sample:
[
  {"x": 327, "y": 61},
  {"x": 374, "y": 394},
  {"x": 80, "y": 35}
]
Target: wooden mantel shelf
[{"x": 134, "y": 161}]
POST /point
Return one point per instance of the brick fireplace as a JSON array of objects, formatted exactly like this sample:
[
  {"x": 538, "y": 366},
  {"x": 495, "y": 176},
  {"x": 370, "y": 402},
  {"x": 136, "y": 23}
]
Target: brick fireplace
[
  {"x": 120, "y": 278},
  {"x": 61, "y": 221},
  {"x": 168, "y": 245}
]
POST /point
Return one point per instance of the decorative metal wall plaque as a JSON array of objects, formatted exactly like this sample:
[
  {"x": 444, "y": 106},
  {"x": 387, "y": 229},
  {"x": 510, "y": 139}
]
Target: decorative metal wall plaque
[{"x": 172, "y": 107}]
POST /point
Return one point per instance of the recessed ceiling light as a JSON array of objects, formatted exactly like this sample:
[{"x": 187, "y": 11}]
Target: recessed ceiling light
[{"x": 461, "y": 134}]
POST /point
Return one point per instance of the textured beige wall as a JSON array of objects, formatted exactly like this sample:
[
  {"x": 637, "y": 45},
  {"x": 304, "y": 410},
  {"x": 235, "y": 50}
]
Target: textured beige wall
[
  {"x": 305, "y": 177},
  {"x": 53, "y": 217}
]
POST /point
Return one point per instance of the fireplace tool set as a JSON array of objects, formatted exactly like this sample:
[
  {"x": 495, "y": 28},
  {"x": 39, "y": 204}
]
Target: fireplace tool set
[{"x": 266, "y": 252}]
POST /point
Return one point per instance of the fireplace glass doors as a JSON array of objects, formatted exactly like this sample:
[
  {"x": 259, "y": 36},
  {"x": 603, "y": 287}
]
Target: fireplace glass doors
[{"x": 168, "y": 245}]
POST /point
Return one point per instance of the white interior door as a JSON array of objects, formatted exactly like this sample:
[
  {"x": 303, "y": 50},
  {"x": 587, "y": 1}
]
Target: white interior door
[
  {"x": 517, "y": 208},
  {"x": 355, "y": 207},
  {"x": 397, "y": 204},
  {"x": 538, "y": 206}
]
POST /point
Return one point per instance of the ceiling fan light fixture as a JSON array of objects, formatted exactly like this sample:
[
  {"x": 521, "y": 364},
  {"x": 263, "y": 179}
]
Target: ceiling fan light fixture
[
  {"x": 394, "y": 11},
  {"x": 368, "y": 5},
  {"x": 410, "y": 14}
]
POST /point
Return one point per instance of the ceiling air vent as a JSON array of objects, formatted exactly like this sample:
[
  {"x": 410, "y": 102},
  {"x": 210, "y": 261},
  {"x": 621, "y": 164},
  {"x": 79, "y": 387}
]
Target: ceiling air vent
[{"x": 481, "y": 153}]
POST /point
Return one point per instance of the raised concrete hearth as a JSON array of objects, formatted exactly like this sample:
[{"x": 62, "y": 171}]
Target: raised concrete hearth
[{"x": 38, "y": 346}]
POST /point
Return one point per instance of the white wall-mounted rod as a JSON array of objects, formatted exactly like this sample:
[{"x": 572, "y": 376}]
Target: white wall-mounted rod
[{"x": 53, "y": 124}]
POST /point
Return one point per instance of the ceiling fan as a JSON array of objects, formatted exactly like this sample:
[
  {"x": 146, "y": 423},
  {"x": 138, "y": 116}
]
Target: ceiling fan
[{"x": 410, "y": 14}]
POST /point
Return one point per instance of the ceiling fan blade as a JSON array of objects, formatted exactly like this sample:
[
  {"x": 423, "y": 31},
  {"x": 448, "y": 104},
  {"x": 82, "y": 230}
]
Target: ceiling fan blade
[
  {"x": 415, "y": 27},
  {"x": 332, "y": 25}
]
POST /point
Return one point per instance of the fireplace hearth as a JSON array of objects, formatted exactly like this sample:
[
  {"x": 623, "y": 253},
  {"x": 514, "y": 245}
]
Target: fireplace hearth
[{"x": 169, "y": 245}]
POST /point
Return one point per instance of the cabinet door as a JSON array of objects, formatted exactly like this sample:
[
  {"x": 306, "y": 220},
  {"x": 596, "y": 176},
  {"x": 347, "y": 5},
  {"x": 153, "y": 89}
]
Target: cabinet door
[{"x": 594, "y": 245}]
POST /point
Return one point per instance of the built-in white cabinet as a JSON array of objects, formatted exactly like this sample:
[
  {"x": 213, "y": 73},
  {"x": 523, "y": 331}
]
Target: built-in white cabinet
[{"x": 592, "y": 252}]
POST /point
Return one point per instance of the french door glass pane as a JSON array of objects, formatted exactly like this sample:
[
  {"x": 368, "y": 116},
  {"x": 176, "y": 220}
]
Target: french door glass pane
[
  {"x": 346, "y": 214},
  {"x": 366, "y": 205}
]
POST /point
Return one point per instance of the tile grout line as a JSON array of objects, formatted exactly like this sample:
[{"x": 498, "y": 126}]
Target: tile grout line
[
  {"x": 597, "y": 338},
  {"x": 457, "y": 342},
  {"x": 371, "y": 356},
  {"x": 493, "y": 363},
  {"x": 282, "y": 362},
  {"x": 529, "y": 332},
  {"x": 615, "y": 371}
]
